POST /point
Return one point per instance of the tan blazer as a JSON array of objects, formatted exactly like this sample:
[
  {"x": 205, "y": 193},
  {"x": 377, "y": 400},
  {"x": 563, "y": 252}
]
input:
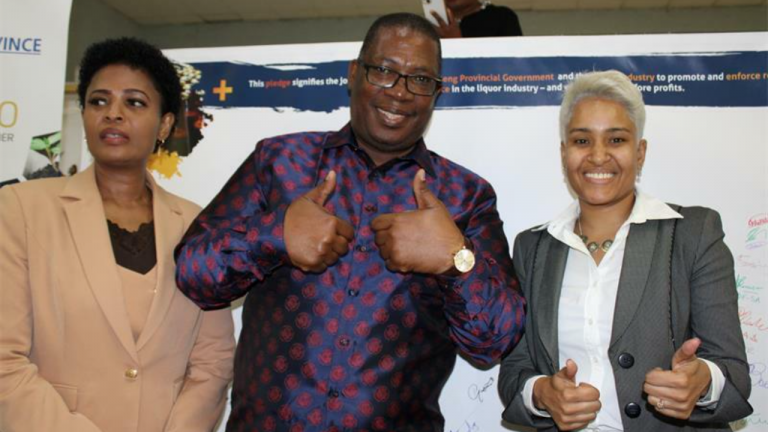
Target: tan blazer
[{"x": 68, "y": 359}]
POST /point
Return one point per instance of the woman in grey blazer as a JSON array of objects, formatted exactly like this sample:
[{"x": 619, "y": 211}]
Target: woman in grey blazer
[{"x": 632, "y": 307}]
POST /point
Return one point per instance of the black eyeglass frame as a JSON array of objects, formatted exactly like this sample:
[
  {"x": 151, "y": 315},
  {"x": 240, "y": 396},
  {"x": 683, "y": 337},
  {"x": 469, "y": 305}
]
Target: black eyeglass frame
[{"x": 368, "y": 67}]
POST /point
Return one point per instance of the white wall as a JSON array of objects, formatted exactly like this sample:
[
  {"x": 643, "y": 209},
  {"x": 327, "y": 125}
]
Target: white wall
[
  {"x": 645, "y": 21},
  {"x": 93, "y": 21}
]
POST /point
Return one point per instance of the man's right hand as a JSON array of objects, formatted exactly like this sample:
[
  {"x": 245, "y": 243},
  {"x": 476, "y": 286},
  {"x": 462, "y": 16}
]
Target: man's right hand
[
  {"x": 571, "y": 406},
  {"x": 314, "y": 238}
]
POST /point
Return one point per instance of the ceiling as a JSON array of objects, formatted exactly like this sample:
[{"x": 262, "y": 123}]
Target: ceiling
[{"x": 164, "y": 12}]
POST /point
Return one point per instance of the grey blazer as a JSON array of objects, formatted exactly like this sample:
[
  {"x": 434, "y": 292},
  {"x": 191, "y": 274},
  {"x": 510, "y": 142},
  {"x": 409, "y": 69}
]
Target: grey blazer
[{"x": 651, "y": 319}]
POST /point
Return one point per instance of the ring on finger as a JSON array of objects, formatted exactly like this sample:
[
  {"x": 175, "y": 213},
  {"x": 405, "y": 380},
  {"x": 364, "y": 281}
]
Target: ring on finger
[{"x": 660, "y": 404}]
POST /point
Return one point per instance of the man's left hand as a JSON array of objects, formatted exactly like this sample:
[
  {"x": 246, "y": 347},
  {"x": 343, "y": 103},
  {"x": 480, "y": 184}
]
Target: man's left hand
[
  {"x": 419, "y": 241},
  {"x": 674, "y": 393}
]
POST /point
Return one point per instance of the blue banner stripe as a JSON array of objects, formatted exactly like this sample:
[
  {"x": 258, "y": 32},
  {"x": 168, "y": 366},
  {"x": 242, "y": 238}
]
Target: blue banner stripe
[{"x": 734, "y": 79}]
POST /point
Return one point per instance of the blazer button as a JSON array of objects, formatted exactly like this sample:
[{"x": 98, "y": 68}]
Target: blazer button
[
  {"x": 131, "y": 373},
  {"x": 632, "y": 410},
  {"x": 626, "y": 360}
]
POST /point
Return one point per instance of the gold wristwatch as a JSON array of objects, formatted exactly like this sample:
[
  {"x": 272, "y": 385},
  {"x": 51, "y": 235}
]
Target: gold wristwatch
[{"x": 464, "y": 260}]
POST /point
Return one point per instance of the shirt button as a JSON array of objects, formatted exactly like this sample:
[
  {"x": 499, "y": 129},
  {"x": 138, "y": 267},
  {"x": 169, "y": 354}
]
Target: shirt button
[
  {"x": 132, "y": 373},
  {"x": 590, "y": 321},
  {"x": 370, "y": 208},
  {"x": 353, "y": 292},
  {"x": 362, "y": 248},
  {"x": 333, "y": 393},
  {"x": 344, "y": 341}
]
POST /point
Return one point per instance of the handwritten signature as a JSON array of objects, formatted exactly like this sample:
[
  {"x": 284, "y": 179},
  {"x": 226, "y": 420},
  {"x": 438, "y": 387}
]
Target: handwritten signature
[
  {"x": 741, "y": 284},
  {"x": 758, "y": 373},
  {"x": 750, "y": 261},
  {"x": 467, "y": 426},
  {"x": 754, "y": 419},
  {"x": 748, "y": 298},
  {"x": 748, "y": 320},
  {"x": 750, "y": 337},
  {"x": 475, "y": 392},
  {"x": 756, "y": 238}
]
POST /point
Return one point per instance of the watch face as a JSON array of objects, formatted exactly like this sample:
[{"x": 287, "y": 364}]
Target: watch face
[{"x": 464, "y": 260}]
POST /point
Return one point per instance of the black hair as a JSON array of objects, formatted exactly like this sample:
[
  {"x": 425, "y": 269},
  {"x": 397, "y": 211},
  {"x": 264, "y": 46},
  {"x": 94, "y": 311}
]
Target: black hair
[
  {"x": 402, "y": 20},
  {"x": 138, "y": 55}
]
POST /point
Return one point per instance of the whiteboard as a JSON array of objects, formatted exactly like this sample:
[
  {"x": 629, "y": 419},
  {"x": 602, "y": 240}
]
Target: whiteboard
[{"x": 697, "y": 155}]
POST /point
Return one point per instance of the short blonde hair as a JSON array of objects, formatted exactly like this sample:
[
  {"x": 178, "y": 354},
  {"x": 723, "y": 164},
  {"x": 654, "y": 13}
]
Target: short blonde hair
[{"x": 611, "y": 85}]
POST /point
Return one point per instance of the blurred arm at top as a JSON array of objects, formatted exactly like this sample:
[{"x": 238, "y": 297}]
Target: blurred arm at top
[{"x": 473, "y": 18}]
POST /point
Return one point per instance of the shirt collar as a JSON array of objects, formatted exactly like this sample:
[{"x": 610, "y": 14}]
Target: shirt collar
[
  {"x": 646, "y": 208},
  {"x": 418, "y": 154}
]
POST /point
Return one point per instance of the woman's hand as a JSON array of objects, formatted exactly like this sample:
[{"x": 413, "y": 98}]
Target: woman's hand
[
  {"x": 571, "y": 406},
  {"x": 448, "y": 29},
  {"x": 674, "y": 393}
]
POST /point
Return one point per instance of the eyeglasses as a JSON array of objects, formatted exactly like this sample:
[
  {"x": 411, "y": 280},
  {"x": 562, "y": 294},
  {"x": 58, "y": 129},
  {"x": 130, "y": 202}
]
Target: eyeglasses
[{"x": 420, "y": 85}]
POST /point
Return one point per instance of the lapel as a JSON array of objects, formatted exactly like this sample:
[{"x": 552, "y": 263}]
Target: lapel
[
  {"x": 547, "y": 284},
  {"x": 635, "y": 269},
  {"x": 169, "y": 226},
  {"x": 87, "y": 222}
]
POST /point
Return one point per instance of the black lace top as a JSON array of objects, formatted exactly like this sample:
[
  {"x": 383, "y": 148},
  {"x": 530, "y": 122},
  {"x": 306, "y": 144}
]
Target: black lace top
[{"x": 134, "y": 250}]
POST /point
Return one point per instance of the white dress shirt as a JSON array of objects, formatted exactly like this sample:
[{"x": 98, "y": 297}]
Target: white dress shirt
[{"x": 586, "y": 308}]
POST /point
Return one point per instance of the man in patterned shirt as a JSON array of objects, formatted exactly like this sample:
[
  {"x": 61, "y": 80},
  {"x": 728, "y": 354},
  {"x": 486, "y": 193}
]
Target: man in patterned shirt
[{"x": 357, "y": 248}]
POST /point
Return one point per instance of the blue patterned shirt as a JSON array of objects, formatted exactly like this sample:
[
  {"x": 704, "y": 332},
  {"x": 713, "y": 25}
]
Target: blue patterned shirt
[{"x": 356, "y": 347}]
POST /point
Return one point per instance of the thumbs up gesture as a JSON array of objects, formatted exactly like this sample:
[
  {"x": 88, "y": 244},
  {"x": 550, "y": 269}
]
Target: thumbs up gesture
[
  {"x": 674, "y": 392},
  {"x": 420, "y": 241},
  {"x": 571, "y": 406},
  {"x": 314, "y": 238}
]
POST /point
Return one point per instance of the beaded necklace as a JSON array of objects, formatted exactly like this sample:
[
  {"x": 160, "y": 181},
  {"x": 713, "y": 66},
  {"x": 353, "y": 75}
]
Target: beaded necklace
[{"x": 593, "y": 246}]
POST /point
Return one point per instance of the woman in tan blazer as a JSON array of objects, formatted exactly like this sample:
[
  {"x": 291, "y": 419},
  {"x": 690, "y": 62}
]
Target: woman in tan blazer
[{"x": 94, "y": 335}]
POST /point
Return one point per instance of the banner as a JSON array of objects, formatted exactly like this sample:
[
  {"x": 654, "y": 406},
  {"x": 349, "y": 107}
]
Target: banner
[
  {"x": 707, "y": 131},
  {"x": 709, "y": 80},
  {"x": 33, "y": 53}
]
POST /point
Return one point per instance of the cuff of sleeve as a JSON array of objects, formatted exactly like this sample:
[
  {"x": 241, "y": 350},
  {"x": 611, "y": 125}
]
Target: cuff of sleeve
[
  {"x": 528, "y": 397},
  {"x": 258, "y": 244},
  {"x": 454, "y": 281},
  {"x": 709, "y": 400},
  {"x": 268, "y": 250}
]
